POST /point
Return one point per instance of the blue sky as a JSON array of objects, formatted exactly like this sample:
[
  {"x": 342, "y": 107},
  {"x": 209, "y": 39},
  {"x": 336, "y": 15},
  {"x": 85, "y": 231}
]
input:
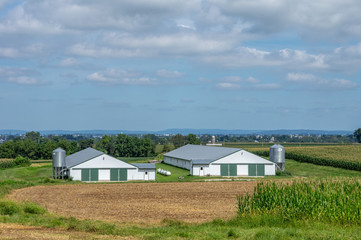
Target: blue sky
[{"x": 153, "y": 65}]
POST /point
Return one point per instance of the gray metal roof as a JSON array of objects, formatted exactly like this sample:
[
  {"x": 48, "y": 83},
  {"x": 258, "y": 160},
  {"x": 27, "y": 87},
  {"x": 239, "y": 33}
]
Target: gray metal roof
[
  {"x": 144, "y": 165},
  {"x": 201, "y": 154},
  {"x": 277, "y": 146},
  {"x": 59, "y": 150},
  {"x": 81, "y": 156}
]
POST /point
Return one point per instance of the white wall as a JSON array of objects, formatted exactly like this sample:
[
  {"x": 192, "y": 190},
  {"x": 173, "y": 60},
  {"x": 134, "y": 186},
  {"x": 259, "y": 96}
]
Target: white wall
[
  {"x": 104, "y": 175},
  {"x": 270, "y": 170},
  {"x": 178, "y": 162},
  {"x": 242, "y": 170},
  {"x": 75, "y": 174},
  {"x": 151, "y": 174},
  {"x": 213, "y": 170},
  {"x": 243, "y": 157}
]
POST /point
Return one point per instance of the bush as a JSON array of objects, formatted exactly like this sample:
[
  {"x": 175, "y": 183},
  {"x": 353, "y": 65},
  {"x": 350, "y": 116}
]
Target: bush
[
  {"x": 33, "y": 208},
  {"x": 22, "y": 161},
  {"x": 8, "y": 207}
]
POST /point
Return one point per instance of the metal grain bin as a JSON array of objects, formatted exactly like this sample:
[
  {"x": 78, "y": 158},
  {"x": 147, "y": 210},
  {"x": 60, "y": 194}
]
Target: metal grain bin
[
  {"x": 277, "y": 155},
  {"x": 59, "y": 167}
]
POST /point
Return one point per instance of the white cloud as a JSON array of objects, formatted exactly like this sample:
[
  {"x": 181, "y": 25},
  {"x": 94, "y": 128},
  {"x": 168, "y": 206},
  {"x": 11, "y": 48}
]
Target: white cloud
[
  {"x": 236, "y": 82},
  {"x": 23, "y": 80},
  {"x": 227, "y": 85},
  {"x": 9, "y": 52},
  {"x": 300, "y": 77},
  {"x": 21, "y": 76},
  {"x": 168, "y": 74},
  {"x": 69, "y": 62},
  {"x": 311, "y": 81},
  {"x": 121, "y": 77},
  {"x": 335, "y": 19}
]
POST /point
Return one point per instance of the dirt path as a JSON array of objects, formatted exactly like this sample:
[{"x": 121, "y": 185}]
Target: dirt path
[
  {"x": 14, "y": 231},
  {"x": 140, "y": 202}
]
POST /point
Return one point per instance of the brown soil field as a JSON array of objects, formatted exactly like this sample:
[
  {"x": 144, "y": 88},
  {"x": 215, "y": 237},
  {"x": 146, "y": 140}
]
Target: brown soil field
[
  {"x": 140, "y": 202},
  {"x": 14, "y": 231}
]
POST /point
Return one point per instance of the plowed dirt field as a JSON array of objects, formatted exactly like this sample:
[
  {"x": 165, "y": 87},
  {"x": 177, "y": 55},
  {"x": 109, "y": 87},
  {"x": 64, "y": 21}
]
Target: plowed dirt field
[{"x": 140, "y": 202}]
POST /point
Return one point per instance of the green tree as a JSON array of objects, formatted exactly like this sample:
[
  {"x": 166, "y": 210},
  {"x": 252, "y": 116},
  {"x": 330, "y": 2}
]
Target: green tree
[
  {"x": 33, "y": 136},
  {"x": 357, "y": 135},
  {"x": 85, "y": 143},
  {"x": 192, "y": 139},
  {"x": 178, "y": 140}
]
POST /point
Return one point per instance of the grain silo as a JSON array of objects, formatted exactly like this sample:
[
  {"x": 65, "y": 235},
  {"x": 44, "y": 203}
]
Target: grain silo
[
  {"x": 277, "y": 155},
  {"x": 59, "y": 168}
]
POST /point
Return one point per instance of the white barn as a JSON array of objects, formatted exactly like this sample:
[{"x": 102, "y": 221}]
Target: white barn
[
  {"x": 95, "y": 166},
  {"x": 219, "y": 161}
]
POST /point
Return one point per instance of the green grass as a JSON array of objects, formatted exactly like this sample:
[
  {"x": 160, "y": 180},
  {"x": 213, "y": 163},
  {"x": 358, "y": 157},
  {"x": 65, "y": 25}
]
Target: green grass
[
  {"x": 299, "y": 169},
  {"x": 176, "y": 172}
]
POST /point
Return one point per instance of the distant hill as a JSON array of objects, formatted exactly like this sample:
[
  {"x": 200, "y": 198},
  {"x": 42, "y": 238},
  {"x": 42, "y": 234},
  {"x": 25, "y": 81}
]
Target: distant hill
[{"x": 185, "y": 131}]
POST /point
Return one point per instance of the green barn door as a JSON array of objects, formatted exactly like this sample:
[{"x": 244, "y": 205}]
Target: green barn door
[
  {"x": 260, "y": 169},
  {"x": 232, "y": 170},
  {"x": 224, "y": 170},
  {"x": 114, "y": 174},
  {"x": 85, "y": 176},
  {"x": 94, "y": 174},
  {"x": 123, "y": 174},
  {"x": 252, "y": 170}
]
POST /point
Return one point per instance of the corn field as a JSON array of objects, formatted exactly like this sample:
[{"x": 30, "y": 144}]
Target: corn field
[
  {"x": 324, "y": 200},
  {"x": 341, "y": 156}
]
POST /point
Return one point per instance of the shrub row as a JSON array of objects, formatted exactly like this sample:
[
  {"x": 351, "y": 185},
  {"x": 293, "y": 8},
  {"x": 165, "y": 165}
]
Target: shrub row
[
  {"x": 8, "y": 207},
  {"x": 18, "y": 161},
  {"x": 316, "y": 160},
  {"x": 329, "y": 200}
]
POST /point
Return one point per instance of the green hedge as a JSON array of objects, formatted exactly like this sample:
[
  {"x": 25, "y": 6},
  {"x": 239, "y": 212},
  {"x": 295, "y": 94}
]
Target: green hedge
[{"x": 314, "y": 160}]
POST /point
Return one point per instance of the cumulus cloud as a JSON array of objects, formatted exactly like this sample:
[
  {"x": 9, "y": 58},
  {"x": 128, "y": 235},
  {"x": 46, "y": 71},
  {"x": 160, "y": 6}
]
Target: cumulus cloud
[
  {"x": 311, "y": 81},
  {"x": 312, "y": 19},
  {"x": 168, "y": 74},
  {"x": 121, "y": 77},
  {"x": 21, "y": 76},
  {"x": 236, "y": 82},
  {"x": 9, "y": 52},
  {"x": 69, "y": 62}
]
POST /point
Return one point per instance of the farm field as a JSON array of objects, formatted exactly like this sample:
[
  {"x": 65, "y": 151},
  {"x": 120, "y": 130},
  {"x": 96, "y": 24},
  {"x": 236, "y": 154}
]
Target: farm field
[{"x": 140, "y": 202}]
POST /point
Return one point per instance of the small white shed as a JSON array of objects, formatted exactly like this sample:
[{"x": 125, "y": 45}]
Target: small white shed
[
  {"x": 95, "y": 166},
  {"x": 219, "y": 161}
]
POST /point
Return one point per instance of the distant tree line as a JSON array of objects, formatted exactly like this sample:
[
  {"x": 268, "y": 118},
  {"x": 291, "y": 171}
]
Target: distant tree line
[{"x": 35, "y": 146}]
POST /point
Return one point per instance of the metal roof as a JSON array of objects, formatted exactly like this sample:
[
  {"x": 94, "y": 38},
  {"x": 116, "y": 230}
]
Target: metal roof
[
  {"x": 144, "y": 165},
  {"x": 59, "y": 150},
  {"x": 277, "y": 146},
  {"x": 81, "y": 156},
  {"x": 201, "y": 154}
]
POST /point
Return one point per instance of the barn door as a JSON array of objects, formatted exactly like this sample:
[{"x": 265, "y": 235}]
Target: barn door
[
  {"x": 232, "y": 169},
  {"x": 252, "y": 170},
  {"x": 256, "y": 170},
  {"x": 85, "y": 176},
  {"x": 94, "y": 174},
  {"x": 260, "y": 169},
  {"x": 229, "y": 170},
  {"x": 224, "y": 170}
]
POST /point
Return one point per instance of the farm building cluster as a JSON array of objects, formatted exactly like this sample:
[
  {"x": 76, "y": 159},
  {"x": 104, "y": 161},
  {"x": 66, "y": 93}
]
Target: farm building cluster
[
  {"x": 93, "y": 165},
  {"x": 90, "y": 165}
]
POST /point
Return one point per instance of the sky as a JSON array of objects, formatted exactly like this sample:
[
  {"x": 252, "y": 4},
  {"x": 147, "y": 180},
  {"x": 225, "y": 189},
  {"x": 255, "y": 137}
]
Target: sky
[{"x": 154, "y": 65}]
